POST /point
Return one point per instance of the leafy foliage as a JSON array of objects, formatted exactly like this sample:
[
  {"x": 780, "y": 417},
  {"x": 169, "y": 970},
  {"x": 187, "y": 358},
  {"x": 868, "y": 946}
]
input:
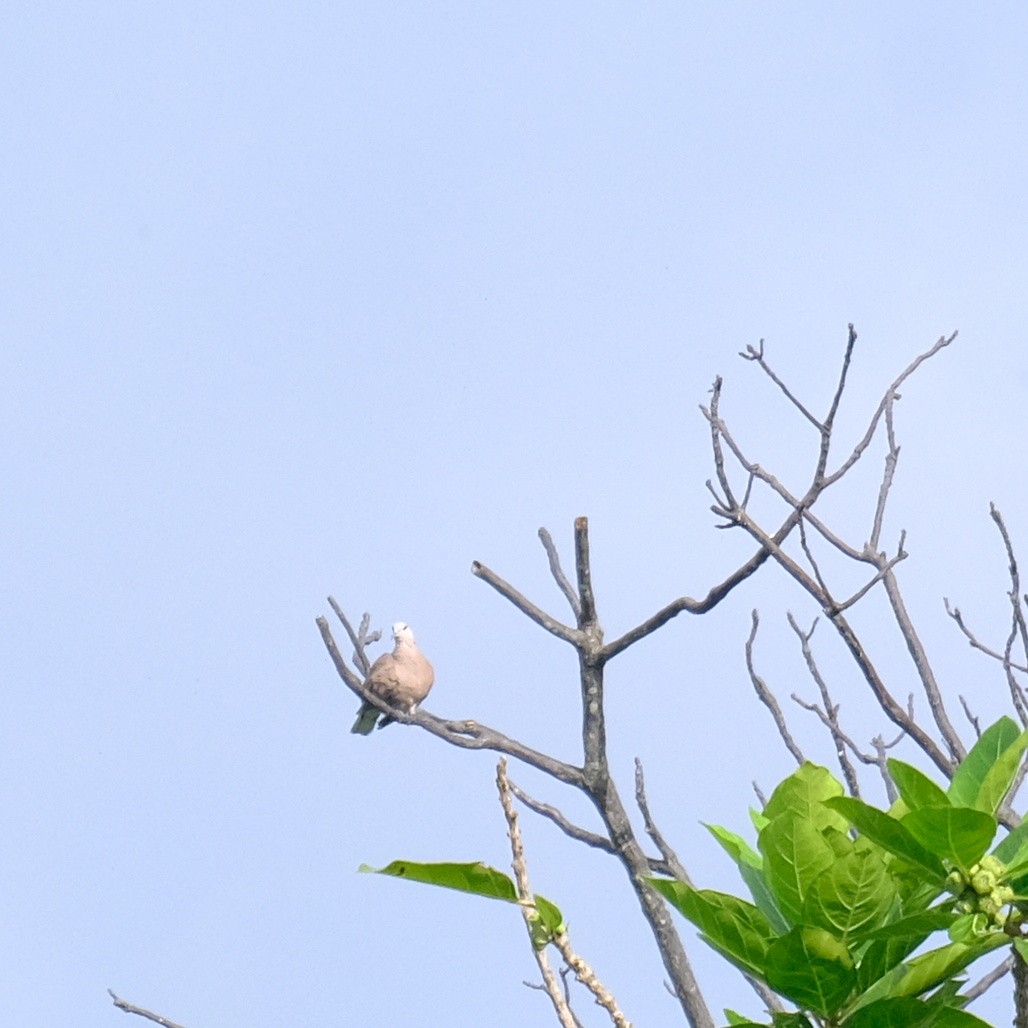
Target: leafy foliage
[{"x": 835, "y": 916}]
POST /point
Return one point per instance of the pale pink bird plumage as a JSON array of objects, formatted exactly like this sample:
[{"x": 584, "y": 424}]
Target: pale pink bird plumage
[{"x": 402, "y": 678}]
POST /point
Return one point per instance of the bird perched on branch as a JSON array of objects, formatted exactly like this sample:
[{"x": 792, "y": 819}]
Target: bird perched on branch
[{"x": 401, "y": 678}]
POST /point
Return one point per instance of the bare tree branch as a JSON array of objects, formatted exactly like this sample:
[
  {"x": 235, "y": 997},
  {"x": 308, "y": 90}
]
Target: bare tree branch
[
  {"x": 360, "y": 639},
  {"x": 529, "y": 609},
  {"x": 974, "y": 642},
  {"x": 148, "y": 1014},
  {"x": 924, "y": 670},
  {"x": 887, "y": 399},
  {"x": 568, "y": 827},
  {"x": 685, "y": 604},
  {"x": 986, "y": 982},
  {"x": 558, "y": 574},
  {"x": 587, "y": 616},
  {"x": 757, "y": 356},
  {"x": 526, "y": 899},
  {"x": 1018, "y": 629},
  {"x": 831, "y": 710},
  {"x": 675, "y": 867},
  {"x": 767, "y": 697}
]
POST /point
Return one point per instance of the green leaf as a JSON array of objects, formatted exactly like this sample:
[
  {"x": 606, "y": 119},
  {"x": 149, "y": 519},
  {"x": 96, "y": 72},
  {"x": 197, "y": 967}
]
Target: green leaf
[
  {"x": 812, "y": 968},
  {"x": 907, "y": 1012},
  {"x": 735, "y": 928},
  {"x": 795, "y": 853},
  {"x": 1014, "y": 848},
  {"x": 967, "y": 780},
  {"x": 757, "y": 819},
  {"x": 916, "y": 789},
  {"x": 779, "y": 1020},
  {"x": 888, "y": 833},
  {"x": 930, "y": 969},
  {"x": 1000, "y": 776},
  {"x": 478, "y": 878},
  {"x": 803, "y": 794},
  {"x": 891, "y": 944},
  {"x": 957, "y": 834},
  {"x": 852, "y": 897},
  {"x": 751, "y": 868},
  {"x": 736, "y": 1020}
]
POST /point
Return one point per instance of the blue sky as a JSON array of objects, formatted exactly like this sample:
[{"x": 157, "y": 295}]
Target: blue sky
[{"x": 311, "y": 298}]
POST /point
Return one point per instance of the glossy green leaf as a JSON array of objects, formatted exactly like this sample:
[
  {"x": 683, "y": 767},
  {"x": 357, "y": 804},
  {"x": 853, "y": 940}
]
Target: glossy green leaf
[
  {"x": 738, "y": 1021},
  {"x": 888, "y": 833},
  {"x": 790, "y": 1020},
  {"x": 803, "y": 794},
  {"x": 957, "y": 834},
  {"x": 916, "y": 789},
  {"x": 887, "y": 947},
  {"x": 1000, "y": 776},
  {"x": 780, "y": 1020},
  {"x": 908, "y": 1012},
  {"x": 735, "y": 928},
  {"x": 929, "y": 969},
  {"x": 1014, "y": 847},
  {"x": 795, "y": 853},
  {"x": 812, "y": 968},
  {"x": 968, "y": 778},
  {"x": 852, "y": 897},
  {"x": 751, "y": 868},
  {"x": 477, "y": 878}
]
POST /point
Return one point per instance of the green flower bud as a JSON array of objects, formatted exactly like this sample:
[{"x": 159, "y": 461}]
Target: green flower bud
[
  {"x": 983, "y": 882},
  {"x": 993, "y": 865}
]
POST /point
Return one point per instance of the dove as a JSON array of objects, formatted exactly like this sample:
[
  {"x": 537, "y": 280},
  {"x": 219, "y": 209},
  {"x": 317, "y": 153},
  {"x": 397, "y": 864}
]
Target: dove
[{"x": 401, "y": 678}]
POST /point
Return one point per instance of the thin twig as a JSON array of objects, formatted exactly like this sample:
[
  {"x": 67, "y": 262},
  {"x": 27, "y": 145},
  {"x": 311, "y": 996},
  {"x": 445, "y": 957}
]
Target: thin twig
[
  {"x": 766, "y": 696},
  {"x": 558, "y": 574},
  {"x": 539, "y": 616},
  {"x": 148, "y": 1014},
  {"x": 865, "y": 441},
  {"x": 675, "y": 866},
  {"x": 916, "y": 649},
  {"x": 568, "y": 827},
  {"x": 974, "y": 642},
  {"x": 831, "y": 710},
  {"x": 1018, "y": 628},
  {"x": 526, "y": 899},
  {"x": 360, "y": 639},
  {"x": 658, "y": 865},
  {"x": 756, "y": 354},
  {"x": 891, "y": 457},
  {"x": 585, "y": 974},
  {"x": 986, "y": 982},
  {"x": 972, "y": 718}
]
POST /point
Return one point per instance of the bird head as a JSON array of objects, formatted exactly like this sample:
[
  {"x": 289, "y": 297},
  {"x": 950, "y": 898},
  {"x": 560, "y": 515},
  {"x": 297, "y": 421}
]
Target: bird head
[{"x": 402, "y": 633}]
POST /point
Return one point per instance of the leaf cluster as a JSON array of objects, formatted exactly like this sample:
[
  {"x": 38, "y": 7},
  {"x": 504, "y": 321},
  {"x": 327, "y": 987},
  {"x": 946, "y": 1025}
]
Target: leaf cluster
[{"x": 844, "y": 894}]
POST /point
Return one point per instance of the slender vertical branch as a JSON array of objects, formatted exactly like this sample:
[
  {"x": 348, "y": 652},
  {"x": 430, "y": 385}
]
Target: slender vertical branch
[
  {"x": 526, "y": 899},
  {"x": 587, "y": 616},
  {"x": 924, "y": 669},
  {"x": 558, "y": 573},
  {"x": 766, "y": 696}
]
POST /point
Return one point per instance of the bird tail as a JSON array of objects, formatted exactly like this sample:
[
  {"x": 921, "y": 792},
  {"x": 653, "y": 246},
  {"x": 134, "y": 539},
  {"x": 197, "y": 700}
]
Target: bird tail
[{"x": 366, "y": 718}]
